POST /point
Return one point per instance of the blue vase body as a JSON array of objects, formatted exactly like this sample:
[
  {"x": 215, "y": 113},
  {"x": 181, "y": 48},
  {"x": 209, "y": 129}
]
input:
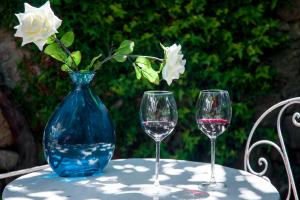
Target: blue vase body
[{"x": 79, "y": 138}]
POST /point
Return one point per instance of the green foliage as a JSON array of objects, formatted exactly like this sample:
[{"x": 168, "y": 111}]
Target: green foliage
[{"x": 225, "y": 44}]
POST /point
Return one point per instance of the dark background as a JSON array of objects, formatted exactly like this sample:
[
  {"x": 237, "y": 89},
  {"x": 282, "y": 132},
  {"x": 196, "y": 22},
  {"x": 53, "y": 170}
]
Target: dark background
[{"x": 248, "y": 47}]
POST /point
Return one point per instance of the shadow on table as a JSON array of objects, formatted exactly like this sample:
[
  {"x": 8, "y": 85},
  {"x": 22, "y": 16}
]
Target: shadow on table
[{"x": 133, "y": 178}]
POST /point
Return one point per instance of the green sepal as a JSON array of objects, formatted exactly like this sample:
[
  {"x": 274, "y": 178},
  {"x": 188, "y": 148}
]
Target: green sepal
[{"x": 163, "y": 47}]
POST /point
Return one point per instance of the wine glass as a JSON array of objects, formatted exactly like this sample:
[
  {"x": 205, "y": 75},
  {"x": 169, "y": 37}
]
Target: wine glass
[
  {"x": 213, "y": 115},
  {"x": 158, "y": 115}
]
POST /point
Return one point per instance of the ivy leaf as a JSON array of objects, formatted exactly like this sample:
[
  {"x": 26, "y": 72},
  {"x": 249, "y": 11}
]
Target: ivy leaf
[
  {"x": 67, "y": 39},
  {"x": 125, "y": 48},
  {"x": 93, "y": 61},
  {"x": 147, "y": 71},
  {"x": 138, "y": 72},
  {"x": 55, "y": 51}
]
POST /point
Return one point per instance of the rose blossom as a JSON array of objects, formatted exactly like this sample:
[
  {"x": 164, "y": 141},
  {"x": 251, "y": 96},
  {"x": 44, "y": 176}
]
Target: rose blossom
[
  {"x": 37, "y": 24},
  {"x": 174, "y": 63}
]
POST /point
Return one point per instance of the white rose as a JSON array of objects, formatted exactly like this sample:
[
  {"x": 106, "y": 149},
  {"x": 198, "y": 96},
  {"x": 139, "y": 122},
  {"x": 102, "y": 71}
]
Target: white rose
[
  {"x": 174, "y": 63},
  {"x": 37, "y": 24}
]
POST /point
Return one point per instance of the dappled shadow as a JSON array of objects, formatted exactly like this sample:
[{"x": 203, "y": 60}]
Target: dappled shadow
[{"x": 133, "y": 178}]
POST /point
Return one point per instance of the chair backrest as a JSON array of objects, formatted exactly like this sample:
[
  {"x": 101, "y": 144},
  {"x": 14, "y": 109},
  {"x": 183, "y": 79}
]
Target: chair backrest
[{"x": 281, "y": 106}]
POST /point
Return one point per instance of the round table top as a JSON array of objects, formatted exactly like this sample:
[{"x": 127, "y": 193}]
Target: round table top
[{"x": 128, "y": 179}]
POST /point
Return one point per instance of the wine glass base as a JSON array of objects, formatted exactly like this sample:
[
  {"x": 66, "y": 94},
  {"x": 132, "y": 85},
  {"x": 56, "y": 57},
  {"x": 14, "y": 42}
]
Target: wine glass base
[
  {"x": 212, "y": 186},
  {"x": 159, "y": 190}
]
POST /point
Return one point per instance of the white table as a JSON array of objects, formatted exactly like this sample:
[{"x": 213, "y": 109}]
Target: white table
[{"x": 130, "y": 178}]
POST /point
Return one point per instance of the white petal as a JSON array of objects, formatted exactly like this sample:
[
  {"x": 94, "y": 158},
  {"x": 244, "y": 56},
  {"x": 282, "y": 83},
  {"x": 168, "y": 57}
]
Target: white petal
[
  {"x": 40, "y": 44},
  {"x": 175, "y": 64},
  {"x": 57, "y": 22},
  {"x": 20, "y": 17},
  {"x": 46, "y": 6},
  {"x": 29, "y": 8},
  {"x": 169, "y": 81},
  {"x": 26, "y": 41},
  {"x": 19, "y": 32},
  {"x": 17, "y": 27}
]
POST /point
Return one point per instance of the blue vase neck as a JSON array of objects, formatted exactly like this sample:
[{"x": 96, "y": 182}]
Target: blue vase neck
[{"x": 80, "y": 79}]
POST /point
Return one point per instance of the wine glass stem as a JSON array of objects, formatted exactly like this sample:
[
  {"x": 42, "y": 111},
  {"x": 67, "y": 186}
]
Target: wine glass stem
[
  {"x": 213, "y": 148},
  {"x": 156, "y": 181}
]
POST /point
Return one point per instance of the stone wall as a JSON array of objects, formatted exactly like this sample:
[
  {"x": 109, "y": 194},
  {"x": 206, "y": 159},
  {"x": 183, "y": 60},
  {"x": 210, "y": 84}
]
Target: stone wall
[{"x": 17, "y": 145}]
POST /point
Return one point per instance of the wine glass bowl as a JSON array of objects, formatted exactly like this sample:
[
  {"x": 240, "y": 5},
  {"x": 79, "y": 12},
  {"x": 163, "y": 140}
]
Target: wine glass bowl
[
  {"x": 158, "y": 130},
  {"x": 212, "y": 127}
]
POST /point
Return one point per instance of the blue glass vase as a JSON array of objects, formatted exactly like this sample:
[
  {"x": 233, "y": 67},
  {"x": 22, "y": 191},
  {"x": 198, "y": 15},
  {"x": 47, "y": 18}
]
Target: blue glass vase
[{"x": 79, "y": 138}]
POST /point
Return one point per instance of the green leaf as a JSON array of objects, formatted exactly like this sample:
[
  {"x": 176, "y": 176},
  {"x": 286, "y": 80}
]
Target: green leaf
[
  {"x": 147, "y": 71},
  {"x": 120, "y": 58},
  {"x": 76, "y": 55},
  {"x": 67, "y": 39},
  {"x": 55, "y": 51},
  {"x": 51, "y": 39},
  {"x": 138, "y": 72},
  {"x": 125, "y": 48},
  {"x": 151, "y": 75},
  {"x": 143, "y": 62},
  {"x": 93, "y": 61},
  {"x": 65, "y": 68}
]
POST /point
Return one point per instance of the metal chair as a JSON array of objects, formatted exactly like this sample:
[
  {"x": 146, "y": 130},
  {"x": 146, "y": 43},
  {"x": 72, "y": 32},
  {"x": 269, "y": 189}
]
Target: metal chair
[{"x": 283, "y": 105}]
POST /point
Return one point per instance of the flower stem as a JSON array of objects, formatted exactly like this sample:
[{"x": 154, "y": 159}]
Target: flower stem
[
  {"x": 66, "y": 50},
  {"x": 150, "y": 57},
  {"x": 100, "y": 63}
]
